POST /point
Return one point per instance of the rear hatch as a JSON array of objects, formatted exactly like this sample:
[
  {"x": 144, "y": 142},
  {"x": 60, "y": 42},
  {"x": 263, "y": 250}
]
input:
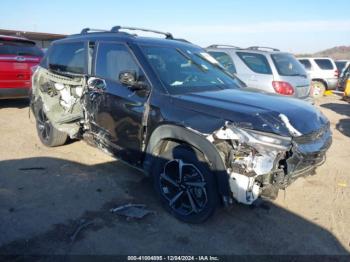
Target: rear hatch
[
  {"x": 17, "y": 57},
  {"x": 291, "y": 71}
]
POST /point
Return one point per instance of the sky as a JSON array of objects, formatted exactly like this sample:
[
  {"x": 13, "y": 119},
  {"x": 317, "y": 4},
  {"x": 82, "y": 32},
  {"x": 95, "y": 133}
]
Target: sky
[{"x": 294, "y": 26}]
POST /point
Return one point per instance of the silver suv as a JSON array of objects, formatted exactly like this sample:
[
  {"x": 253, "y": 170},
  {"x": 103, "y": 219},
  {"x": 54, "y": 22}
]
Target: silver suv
[{"x": 265, "y": 68}]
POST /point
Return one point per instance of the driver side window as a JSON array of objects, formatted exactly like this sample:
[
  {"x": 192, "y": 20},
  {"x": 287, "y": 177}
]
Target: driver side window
[{"x": 112, "y": 59}]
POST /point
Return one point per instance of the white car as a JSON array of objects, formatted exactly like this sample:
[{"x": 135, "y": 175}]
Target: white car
[{"x": 323, "y": 73}]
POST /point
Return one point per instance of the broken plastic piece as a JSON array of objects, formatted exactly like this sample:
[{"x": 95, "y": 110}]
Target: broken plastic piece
[
  {"x": 289, "y": 126},
  {"x": 132, "y": 211}
]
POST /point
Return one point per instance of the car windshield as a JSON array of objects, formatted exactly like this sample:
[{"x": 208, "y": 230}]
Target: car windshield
[
  {"x": 287, "y": 65},
  {"x": 19, "y": 48},
  {"x": 183, "y": 70}
]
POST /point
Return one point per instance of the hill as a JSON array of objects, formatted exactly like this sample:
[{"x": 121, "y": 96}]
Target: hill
[{"x": 337, "y": 53}]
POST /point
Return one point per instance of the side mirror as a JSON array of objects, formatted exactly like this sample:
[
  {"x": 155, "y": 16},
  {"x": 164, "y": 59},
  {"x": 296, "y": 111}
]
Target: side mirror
[
  {"x": 95, "y": 83},
  {"x": 130, "y": 79}
]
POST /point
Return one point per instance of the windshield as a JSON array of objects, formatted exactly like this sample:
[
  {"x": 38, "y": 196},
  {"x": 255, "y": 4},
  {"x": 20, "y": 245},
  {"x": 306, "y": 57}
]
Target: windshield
[
  {"x": 183, "y": 71},
  {"x": 287, "y": 65}
]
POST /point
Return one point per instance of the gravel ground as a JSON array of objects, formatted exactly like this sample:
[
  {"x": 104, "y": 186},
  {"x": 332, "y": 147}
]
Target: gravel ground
[{"x": 46, "y": 194}]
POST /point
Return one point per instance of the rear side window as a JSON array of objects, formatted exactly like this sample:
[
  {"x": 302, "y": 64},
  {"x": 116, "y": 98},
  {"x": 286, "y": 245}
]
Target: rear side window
[
  {"x": 256, "y": 62},
  {"x": 68, "y": 57},
  {"x": 340, "y": 65},
  {"x": 287, "y": 65},
  {"x": 306, "y": 63},
  {"x": 19, "y": 48},
  {"x": 225, "y": 60},
  {"x": 324, "y": 64},
  {"x": 112, "y": 59}
]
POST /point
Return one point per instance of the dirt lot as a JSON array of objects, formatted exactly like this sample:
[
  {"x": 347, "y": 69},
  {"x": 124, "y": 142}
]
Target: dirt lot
[{"x": 46, "y": 193}]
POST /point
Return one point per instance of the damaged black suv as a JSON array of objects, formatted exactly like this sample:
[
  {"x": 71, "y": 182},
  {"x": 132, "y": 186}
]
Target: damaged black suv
[{"x": 168, "y": 107}]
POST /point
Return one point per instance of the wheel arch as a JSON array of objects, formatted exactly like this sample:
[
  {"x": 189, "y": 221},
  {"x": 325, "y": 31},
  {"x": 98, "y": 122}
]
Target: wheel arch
[
  {"x": 322, "y": 81},
  {"x": 183, "y": 135}
]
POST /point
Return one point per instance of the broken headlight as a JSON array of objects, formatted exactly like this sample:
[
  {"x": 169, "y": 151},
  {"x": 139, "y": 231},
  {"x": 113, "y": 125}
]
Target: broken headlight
[{"x": 268, "y": 140}]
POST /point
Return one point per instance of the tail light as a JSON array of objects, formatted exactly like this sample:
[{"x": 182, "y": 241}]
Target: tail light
[
  {"x": 336, "y": 73},
  {"x": 283, "y": 88}
]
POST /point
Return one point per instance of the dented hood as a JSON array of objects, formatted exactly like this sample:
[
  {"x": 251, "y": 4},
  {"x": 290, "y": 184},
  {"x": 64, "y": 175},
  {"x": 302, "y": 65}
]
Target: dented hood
[{"x": 260, "y": 111}]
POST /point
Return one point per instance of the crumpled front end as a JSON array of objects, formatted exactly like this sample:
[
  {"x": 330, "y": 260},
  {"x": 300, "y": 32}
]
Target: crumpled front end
[{"x": 260, "y": 164}]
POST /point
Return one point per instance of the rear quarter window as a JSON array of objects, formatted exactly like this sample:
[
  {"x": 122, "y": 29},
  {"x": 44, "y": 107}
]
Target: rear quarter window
[
  {"x": 256, "y": 62},
  {"x": 19, "y": 48},
  {"x": 68, "y": 57},
  {"x": 225, "y": 60},
  {"x": 324, "y": 64}
]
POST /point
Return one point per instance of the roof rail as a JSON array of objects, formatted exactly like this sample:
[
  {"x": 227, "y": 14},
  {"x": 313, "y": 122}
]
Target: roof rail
[
  {"x": 262, "y": 48},
  {"x": 87, "y": 30},
  {"x": 116, "y": 29},
  {"x": 224, "y": 46}
]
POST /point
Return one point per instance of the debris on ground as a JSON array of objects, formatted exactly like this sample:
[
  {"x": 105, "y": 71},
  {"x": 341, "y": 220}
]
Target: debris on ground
[
  {"x": 82, "y": 225},
  {"x": 132, "y": 211}
]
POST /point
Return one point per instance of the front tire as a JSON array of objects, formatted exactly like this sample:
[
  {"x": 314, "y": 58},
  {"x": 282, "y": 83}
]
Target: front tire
[
  {"x": 47, "y": 133},
  {"x": 185, "y": 184}
]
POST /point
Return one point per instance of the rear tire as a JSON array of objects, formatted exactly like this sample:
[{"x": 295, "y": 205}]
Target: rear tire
[
  {"x": 47, "y": 133},
  {"x": 318, "y": 89},
  {"x": 191, "y": 195}
]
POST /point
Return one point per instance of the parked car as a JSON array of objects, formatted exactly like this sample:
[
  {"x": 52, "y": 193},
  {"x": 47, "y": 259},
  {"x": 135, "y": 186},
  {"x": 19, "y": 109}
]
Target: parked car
[
  {"x": 167, "y": 107},
  {"x": 17, "y": 58},
  {"x": 346, "y": 95},
  {"x": 342, "y": 82},
  {"x": 265, "y": 68},
  {"x": 342, "y": 65},
  {"x": 323, "y": 72}
]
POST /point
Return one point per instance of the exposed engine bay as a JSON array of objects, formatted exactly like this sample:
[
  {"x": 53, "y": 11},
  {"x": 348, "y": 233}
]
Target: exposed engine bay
[{"x": 260, "y": 164}]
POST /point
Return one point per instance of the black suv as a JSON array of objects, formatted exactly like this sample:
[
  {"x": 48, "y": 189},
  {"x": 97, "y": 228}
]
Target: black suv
[{"x": 166, "y": 106}]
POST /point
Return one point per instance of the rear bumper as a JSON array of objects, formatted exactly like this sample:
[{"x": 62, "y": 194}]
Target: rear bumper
[
  {"x": 13, "y": 93},
  {"x": 332, "y": 83}
]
